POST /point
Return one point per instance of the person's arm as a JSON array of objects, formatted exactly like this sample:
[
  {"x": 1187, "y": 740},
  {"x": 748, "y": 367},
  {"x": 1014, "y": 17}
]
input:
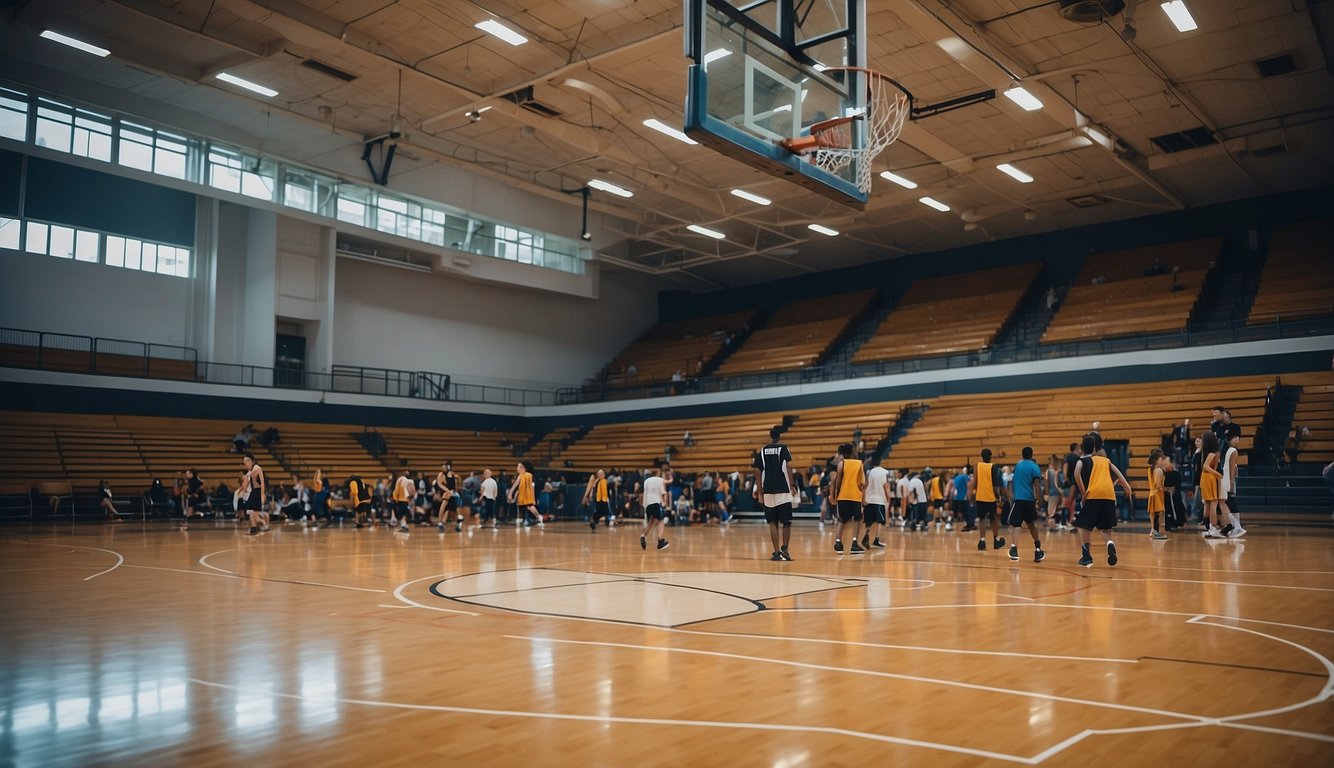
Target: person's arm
[
  {"x": 1037, "y": 491},
  {"x": 1232, "y": 470},
  {"x": 514, "y": 487},
  {"x": 1121, "y": 481},
  {"x": 1079, "y": 477},
  {"x": 972, "y": 487},
  {"x": 861, "y": 482},
  {"x": 1210, "y": 465}
]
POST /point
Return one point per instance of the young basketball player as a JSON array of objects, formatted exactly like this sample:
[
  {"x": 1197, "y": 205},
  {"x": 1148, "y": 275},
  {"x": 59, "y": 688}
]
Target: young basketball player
[
  {"x": 848, "y": 485},
  {"x": 521, "y": 494},
  {"x": 878, "y": 490},
  {"x": 1209, "y": 489},
  {"x": 597, "y": 492},
  {"x": 253, "y": 488},
  {"x": 983, "y": 490},
  {"x": 1157, "y": 486},
  {"x": 1227, "y": 491},
  {"x": 655, "y": 510},
  {"x": 1026, "y": 486},
  {"x": 359, "y": 494},
  {"x": 404, "y": 490},
  {"x": 1051, "y": 486},
  {"x": 489, "y": 490},
  {"x": 775, "y": 489},
  {"x": 196, "y": 498},
  {"x": 1094, "y": 477}
]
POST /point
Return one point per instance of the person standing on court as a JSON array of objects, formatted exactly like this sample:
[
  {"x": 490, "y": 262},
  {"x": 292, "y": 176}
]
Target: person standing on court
[
  {"x": 1097, "y": 477},
  {"x": 848, "y": 485},
  {"x": 983, "y": 490},
  {"x": 776, "y": 491},
  {"x": 522, "y": 496},
  {"x": 597, "y": 492},
  {"x": 253, "y": 488},
  {"x": 878, "y": 490},
  {"x": 488, "y": 491},
  {"x": 655, "y": 510},
  {"x": 1026, "y": 486}
]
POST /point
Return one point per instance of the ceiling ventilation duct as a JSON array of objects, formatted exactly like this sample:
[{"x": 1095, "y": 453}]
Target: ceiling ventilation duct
[{"x": 1090, "y": 11}]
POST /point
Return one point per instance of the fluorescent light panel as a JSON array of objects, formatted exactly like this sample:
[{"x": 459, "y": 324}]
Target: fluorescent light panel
[
  {"x": 75, "y": 43},
  {"x": 241, "y": 82},
  {"x": 664, "y": 128},
  {"x": 934, "y": 203},
  {"x": 822, "y": 229},
  {"x": 607, "y": 186},
  {"x": 751, "y": 196},
  {"x": 697, "y": 229},
  {"x": 1014, "y": 173},
  {"x": 1023, "y": 98},
  {"x": 897, "y": 179},
  {"x": 1180, "y": 15},
  {"x": 493, "y": 27}
]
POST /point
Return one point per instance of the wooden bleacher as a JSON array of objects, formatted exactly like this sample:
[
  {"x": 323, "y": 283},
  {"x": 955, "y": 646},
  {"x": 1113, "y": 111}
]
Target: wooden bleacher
[
  {"x": 1298, "y": 278},
  {"x": 956, "y": 428},
  {"x": 668, "y": 347},
  {"x": 815, "y": 434},
  {"x": 101, "y": 363},
  {"x": 1128, "y": 303},
  {"x": 424, "y": 450},
  {"x": 1316, "y": 412},
  {"x": 950, "y": 314},
  {"x": 798, "y": 334},
  {"x": 721, "y": 444}
]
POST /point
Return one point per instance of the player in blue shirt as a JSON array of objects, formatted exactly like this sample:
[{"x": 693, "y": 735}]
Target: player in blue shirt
[
  {"x": 1026, "y": 488},
  {"x": 961, "y": 508}
]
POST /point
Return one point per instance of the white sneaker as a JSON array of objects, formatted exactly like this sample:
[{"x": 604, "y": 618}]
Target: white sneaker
[
  {"x": 949, "y": 526},
  {"x": 1212, "y": 533},
  {"x": 1157, "y": 535},
  {"x": 1237, "y": 533}
]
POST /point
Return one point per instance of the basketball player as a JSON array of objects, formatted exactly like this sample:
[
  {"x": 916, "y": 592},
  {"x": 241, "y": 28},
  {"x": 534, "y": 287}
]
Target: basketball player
[
  {"x": 961, "y": 508},
  {"x": 404, "y": 490},
  {"x": 360, "y": 496},
  {"x": 1096, "y": 477},
  {"x": 655, "y": 511},
  {"x": 597, "y": 492},
  {"x": 489, "y": 490},
  {"x": 982, "y": 490},
  {"x": 253, "y": 487},
  {"x": 1051, "y": 486},
  {"x": 916, "y": 502},
  {"x": 776, "y": 491},
  {"x": 1157, "y": 492},
  {"x": 196, "y": 498},
  {"x": 848, "y": 485},
  {"x": 1026, "y": 486},
  {"x": 895, "y": 508},
  {"x": 447, "y": 484},
  {"x": 937, "y": 494},
  {"x": 521, "y": 494},
  {"x": 878, "y": 490},
  {"x": 904, "y": 495},
  {"x": 1227, "y": 491},
  {"x": 1210, "y": 490}
]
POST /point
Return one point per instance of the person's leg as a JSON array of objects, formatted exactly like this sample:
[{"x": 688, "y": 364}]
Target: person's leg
[{"x": 774, "y": 536}]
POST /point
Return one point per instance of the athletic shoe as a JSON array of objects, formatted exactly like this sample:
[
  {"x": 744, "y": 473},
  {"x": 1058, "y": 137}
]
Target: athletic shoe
[
  {"x": 968, "y": 528},
  {"x": 458, "y": 527},
  {"x": 856, "y": 549},
  {"x": 1235, "y": 534},
  {"x": 1086, "y": 560},
  {"x": 866, "y": 542},
  {"x": 1038, "y": 555},
  {"x": 838, "y": 545},
  {"x": 592, "y": 525},
  {"x": 1226, "y": 531},
  {"x": 643, "y": 543},
  {"x": 982, "y": 545},
  {"x": 1111, "y": 553},
  {"x": 541, "y": 524},
  {"x": 785, "y": 555},
  {"x": 1157, "y": 535},
  {"x": 359, "y": 525},
  {"x": 263, "y": 528},
  {"x": 253, "y": 531},
  {"x": 1211, "y": 533},
  {"x": 878, "y": 543},
  {"x": 404, "y": 529},
  {"x": 776, "y": 557},
  {"x": 949, "y": 526},
  {"x": 998, "y": 543},
  {"x": 440, "y": 527},
  {"x": 663, "y": 544},
  {"x": 184, "y": 527},
  {"x": 1014, "y": 552}
]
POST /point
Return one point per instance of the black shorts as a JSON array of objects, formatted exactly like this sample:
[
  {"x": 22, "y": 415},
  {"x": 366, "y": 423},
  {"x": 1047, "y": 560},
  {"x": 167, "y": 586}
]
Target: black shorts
[
  {"x": 654, "y": 512},
  {"x": 873, "y": 513},
  {"x": 1097, "y": 513},
  {"x": 254, "y": 502},
  {"x": 985, "y": 509},
  {"x": 601, "y": 509},
  {"x": 937, "y": 504},
  {"x": 960, "y": 507},
  {"x": 364, "y": 508},
  {"x": 1232, "y": 503},
  {"x": 849, "y": 510},
  {"x": 894, "y": 503},
  {"x": 1022, "y": 511},
  {"x": 453, "y": 502},
  {"x": 401, "y": 507},
  {"x": 779, "y": 515},
  {"x": 488, "y": 509}
]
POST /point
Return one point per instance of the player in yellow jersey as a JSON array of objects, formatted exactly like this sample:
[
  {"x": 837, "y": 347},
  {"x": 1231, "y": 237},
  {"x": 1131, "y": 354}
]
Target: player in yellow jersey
[
  {"x": 985, "y": 489},
  {"x": 1097, "y": 477},
  {"x": 597, "y": 492},
  {"x": 521, "y": 494},
  {"x": 847, "y": 487},
  {"x": 1157, "y": 473}
]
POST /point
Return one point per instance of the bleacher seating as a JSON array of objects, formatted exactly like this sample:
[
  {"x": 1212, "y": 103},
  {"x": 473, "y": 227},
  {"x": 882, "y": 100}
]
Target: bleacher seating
[
  {"x": 1298, "y": 278},
  {"x": 721, "y": 444},
  {"x": 677, "y": 346},
  {"x": 1124, "y": 302},
  {"x": 424, "y": 450},
  {"x": 1315, "y": 411},
  {"x": 957, "y": 427},
  {"x": 815, "y": 434},
  {"x": 798, "y": 334},
  {"x": 950, "y": 314}
]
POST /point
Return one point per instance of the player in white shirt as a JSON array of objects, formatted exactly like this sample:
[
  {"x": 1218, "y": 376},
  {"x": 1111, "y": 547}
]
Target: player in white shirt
[
  {"x": 917, "y": 494},
  {"x": 904, "y": 497},
  {"x": 656, "y": 499},
  {"x": 489, "y": 491},
  {"x": 1227, "y": 486},
  {"x": 874, "y": 503}
]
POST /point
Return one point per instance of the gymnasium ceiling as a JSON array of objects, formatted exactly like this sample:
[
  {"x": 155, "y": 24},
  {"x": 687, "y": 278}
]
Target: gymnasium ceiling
[{"x": 607, "y": 65}]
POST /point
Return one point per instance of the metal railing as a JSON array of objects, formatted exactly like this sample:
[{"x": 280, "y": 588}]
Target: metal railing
[{"x": 1200, "y": 335}]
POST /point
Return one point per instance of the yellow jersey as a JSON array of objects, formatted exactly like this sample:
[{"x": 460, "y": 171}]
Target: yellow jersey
[
  {"x": 524, "y": 498},
  {"x": 986, "y": 491},
  {"x": 1155, "y": 491},
  {"x": 851, "y": 478},
  {"x": 1099, "y": 484},
  {"x": 935, "y": 489},
  {"x": 600, "y": 490}
]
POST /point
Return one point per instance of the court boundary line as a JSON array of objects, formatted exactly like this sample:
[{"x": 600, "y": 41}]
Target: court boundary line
[{"x": 120, "y": 559}]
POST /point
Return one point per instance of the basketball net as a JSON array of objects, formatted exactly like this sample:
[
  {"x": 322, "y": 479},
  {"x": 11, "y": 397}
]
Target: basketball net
[{"x": 830, "y": 142}]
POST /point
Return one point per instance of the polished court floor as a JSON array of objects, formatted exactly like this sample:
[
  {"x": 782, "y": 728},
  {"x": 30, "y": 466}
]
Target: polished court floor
[{"x": 149, "y": 646}]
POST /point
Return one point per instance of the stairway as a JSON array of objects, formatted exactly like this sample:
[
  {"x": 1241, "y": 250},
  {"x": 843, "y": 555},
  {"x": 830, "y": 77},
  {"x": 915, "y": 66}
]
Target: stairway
[
  {"x": 843, "y": 350},
  {"x": 908, "y": 416},
  {"x": 1230, "y": 288},
  {"x": 1026, "y": 327},
  {"x": 1279, "y": 412},
  {"x": 726, "y": 350}
]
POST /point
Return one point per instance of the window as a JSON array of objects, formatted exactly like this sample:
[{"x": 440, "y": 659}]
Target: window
[
  {"x": 308, "y": 191},
  {"x": 35, "y": 242},
  {"x": 130, "y": 253},
  {"x": 9, "y": 234},
  {"x": 154, "y": 151},
  {"x": 13, "y": 114},
  {"x": 53, "y": 126},
  {"x": 352, "y": 204},
  {"x": 238, "y": 172}
]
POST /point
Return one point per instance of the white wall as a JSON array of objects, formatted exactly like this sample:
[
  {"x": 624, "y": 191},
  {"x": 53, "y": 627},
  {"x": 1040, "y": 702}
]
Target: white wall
[
  {"x": 393, "y": 318},
  {"x": 43, "y": 293}
]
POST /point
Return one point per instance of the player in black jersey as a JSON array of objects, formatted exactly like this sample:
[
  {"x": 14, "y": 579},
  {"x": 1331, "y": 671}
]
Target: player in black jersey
[{"x": 775, "y": 489}]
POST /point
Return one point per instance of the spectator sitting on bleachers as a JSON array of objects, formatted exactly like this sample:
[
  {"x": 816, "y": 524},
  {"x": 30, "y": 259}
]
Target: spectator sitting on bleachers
[
  {"x": 107, "y": 503},
  {"x": 157, "y": 497},
  {"x": 688, "y": 439},
  {"x": 1156, "y": 268},
  {"x": 243, "y": 438},
  {"x": 269, "y": 437}
]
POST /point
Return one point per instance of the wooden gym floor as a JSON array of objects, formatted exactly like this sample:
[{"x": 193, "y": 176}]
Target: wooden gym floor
[{"x": 148, "y": 646}]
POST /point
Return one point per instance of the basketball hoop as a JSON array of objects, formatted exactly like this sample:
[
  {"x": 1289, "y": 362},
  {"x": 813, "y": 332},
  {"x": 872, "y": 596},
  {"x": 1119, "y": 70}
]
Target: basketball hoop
[{"x": 829, "y": 143}]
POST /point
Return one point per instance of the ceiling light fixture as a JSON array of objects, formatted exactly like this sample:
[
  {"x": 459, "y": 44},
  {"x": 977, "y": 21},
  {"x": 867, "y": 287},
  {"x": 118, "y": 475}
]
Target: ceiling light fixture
[
  {"x": 241, "y": 82},
  {"x": 1180, "y": 15},
  {"x": 75, "y": 43},
  {"x": 1014, "y": 173},
  {"x": 933, "y": 203},
  {"x": 1023, "y": 98},
  {"x": 607, "y": 186},
  {"x": 697, "y": 229},
  {"x": 493, "y": 27},
  {"x": 751, "y": 196},
  {"x": 822, "y": 229},
  {"x": 666, "y": 129},
  {"x": 897, "y": 179}
]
